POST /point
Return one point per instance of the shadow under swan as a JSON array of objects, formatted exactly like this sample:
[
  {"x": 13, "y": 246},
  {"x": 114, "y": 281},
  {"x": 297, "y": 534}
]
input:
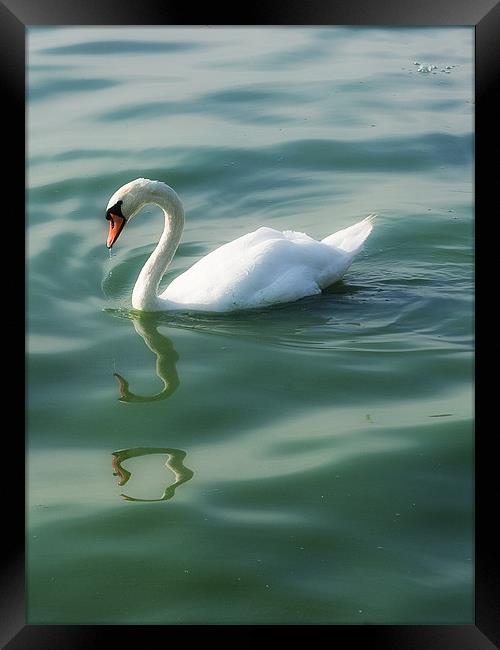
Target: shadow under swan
[
  {"x": 166, "y": 358},
  {"x": 174, "y": 463}
]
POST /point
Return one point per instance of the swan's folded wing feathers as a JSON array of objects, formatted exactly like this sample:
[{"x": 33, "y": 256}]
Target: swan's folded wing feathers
[
  {"x": 263, "y": 267},
  {"x": 293, "y": 284},
  {"x": 255, "y": 267}
]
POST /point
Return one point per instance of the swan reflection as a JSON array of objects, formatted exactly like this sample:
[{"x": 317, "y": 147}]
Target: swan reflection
[
  {"x": 174, "y": 463},
  {"x": 166, "y": 358}
]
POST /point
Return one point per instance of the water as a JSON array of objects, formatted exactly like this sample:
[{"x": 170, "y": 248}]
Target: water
[{"x": 308, "y": 463}]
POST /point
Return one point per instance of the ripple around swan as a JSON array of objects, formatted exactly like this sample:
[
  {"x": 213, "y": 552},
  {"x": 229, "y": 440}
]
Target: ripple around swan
[{"x": 332, "y": 321}]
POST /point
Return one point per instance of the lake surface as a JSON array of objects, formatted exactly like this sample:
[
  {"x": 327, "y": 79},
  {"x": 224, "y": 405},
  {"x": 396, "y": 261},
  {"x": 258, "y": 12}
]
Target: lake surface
[{"x": 307, "y": 463}]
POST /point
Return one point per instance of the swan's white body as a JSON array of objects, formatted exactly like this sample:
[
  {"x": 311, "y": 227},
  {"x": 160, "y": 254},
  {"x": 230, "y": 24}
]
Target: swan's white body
[{"x": 261, "y": 268}]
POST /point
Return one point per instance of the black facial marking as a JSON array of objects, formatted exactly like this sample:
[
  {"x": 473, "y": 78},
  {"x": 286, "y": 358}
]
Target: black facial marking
[{"x": 115, "y": 209}]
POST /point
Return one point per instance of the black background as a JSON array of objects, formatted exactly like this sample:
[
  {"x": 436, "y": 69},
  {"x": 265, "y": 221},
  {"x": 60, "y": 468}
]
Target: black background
[{"x": 15, "y": 16}]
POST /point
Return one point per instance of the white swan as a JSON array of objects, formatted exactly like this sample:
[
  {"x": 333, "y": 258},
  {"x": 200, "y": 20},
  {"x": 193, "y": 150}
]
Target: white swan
[{"x": 261, "y": 268}]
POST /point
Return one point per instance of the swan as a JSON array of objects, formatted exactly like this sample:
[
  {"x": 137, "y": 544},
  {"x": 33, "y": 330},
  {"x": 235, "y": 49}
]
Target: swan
[{"x": 259, "y": 269}]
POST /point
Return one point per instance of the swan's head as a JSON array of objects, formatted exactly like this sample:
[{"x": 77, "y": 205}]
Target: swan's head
[
  {"x": 129, "y": 199},
  {"x": 125, "y": 204}
]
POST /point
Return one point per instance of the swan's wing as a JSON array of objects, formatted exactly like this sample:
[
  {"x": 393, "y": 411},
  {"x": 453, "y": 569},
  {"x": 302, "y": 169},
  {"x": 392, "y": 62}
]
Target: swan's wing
[
  {"x": 291, "y": 285},
  {"x": 264, "y": 267}
]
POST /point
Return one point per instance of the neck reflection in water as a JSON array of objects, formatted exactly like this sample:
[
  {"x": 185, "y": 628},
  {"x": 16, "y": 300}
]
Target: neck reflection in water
[
  {"x": 174, "y": 463},
  {"x": 166, "y": 358}
]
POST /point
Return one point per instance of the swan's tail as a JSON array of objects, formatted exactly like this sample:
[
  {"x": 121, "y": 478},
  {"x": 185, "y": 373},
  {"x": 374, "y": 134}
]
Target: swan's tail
[{"x": 351, "y": 239}]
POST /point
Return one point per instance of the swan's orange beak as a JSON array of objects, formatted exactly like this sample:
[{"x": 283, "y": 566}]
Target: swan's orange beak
[{"x": 116, "y": 224}]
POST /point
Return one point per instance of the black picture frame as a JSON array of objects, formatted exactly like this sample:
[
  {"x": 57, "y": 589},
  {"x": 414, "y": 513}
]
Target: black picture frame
[{"x": 484, "y": 15}]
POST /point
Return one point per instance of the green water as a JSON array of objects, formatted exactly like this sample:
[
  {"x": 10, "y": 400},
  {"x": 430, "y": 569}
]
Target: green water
[{"x": 309, "y": 463}]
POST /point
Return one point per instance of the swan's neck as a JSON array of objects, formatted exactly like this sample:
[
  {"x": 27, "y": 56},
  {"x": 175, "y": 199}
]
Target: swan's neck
[{"x": 145, "y": 293}]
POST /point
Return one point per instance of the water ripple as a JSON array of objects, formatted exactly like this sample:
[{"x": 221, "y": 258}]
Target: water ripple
[
  {"x": 109, "y": 47},
  {"x": 45, "y": 89}
]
